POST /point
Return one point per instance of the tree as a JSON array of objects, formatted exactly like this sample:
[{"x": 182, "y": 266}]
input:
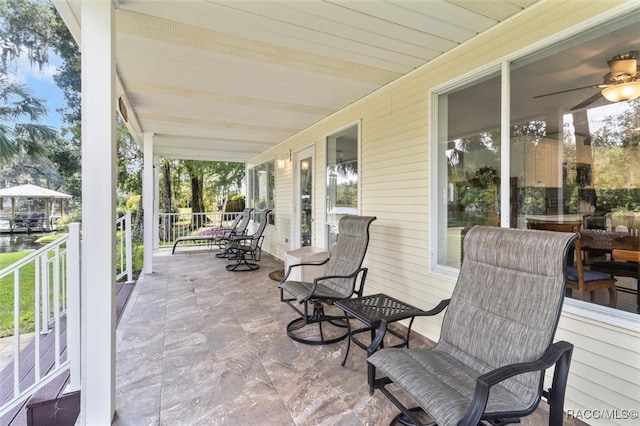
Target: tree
[
  {"x": 207, "y": 182},
  {"x": 166, "y": 166},
  {"x": 39, "y": 171},
  {"x": 20, "y": 130},
  {"x": 34, "y": 28},
  {"x": 165, "y": 175},
  {"x": 196, "y": 171},
  {"x": 227, "y": 176},
  {"x": 129, "y": 161},
  {"x": 27, "y": 27},
  {"x": 616, "y": 152}
]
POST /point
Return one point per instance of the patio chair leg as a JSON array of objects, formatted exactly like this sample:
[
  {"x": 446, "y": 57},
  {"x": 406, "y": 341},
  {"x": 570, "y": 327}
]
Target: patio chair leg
[
  {"x": 318, "y": 316},
  {"x": 246, "y": 266}
]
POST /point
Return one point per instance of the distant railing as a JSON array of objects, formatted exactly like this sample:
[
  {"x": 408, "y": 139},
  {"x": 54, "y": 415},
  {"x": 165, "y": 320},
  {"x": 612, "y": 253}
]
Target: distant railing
[
  {"x": 124, "y": 262},
  {"x": 55, "y": 273},
  {"x": 176, "y": 225}
]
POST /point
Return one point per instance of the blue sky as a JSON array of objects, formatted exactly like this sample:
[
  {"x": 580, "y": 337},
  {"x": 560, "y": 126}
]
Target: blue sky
[{"x": 41, "y": 85}]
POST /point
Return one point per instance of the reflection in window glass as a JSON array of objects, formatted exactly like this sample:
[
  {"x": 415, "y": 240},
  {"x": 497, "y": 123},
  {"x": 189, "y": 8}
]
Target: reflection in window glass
[
  {"x": 469, "y": 151},
  {"x": 262, "y": 189},
  {"x": 306, "y": 201},
  {"x": 574, "y": 153},
  {"x": 342, "y": 179}
]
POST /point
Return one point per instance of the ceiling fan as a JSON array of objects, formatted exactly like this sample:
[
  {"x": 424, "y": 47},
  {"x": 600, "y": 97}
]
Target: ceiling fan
[{"x": 622, "y": 83}]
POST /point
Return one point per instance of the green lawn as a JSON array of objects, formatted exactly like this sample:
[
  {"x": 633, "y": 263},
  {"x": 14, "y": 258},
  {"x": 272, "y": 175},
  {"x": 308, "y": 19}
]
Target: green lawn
[
  {"x": 47, "y": 238},
  {"x": 27, "y": 297},
  {"x": 27, "y": 281}
]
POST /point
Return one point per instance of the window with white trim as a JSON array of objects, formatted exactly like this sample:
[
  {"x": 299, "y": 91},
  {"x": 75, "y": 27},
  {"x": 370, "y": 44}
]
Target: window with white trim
[
  {"x": 262, "y": 189},
  {"x": 342, "y": 179},
  {"x": 572, "y": 153}
]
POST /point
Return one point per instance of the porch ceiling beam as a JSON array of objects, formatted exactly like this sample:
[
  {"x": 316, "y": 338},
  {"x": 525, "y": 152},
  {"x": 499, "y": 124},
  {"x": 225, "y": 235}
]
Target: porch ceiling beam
[{"x": 204, "y": 154}]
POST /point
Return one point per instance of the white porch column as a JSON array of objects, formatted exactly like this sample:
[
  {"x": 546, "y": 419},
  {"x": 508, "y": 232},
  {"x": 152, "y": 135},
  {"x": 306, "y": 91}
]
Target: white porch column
[
  {"x": 148, "y": 193},
  {"x": 74, "y": 306},
  {"x": 98, "y": 213},
  {"x": 156, "y": 204}
]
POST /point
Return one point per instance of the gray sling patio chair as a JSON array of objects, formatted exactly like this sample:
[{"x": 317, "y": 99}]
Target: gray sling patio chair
[
  {"x": 496, "y": 338},
  {"x": 343, "y": 268},
  {"x": 244, "y": 248},
  {"x": 238, "y": 227},
  {"x": 218, "y": 236}
]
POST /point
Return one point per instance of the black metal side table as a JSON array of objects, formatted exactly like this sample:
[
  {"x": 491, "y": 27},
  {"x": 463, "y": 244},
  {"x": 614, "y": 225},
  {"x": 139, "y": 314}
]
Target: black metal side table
[{"x": 371, "y": 310}]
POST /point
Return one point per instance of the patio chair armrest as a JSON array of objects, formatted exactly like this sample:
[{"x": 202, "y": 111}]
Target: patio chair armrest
[
  {"x": 377, "y": 341},
  {"x": 235, "y": 238},
  {"x": 557, "y": 353},
  {"x": 236, "y": 234},
  {"x": 328, "y": 277},
  {"x": 295, "y": 265},
  {"x": 314, "y": 286},
  {"x": 353, "y": 275}
]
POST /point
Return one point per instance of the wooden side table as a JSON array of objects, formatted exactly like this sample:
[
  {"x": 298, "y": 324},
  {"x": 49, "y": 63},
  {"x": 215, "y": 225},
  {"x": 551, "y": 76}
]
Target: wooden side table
[{"x": 371, "y": 310}]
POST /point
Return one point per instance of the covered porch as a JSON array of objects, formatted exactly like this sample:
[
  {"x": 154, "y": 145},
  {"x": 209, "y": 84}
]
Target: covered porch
[
  {"x": 198, "y": 344},
  {"x": 227, "y": 82}
]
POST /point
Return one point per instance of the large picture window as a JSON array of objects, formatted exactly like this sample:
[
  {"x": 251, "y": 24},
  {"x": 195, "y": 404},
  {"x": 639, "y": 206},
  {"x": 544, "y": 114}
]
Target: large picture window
[
  {"x": 469, "y": 161},
  {"x": 262, "y": 189},
  {"x": 341, "y": 178},
  {"x": 572, "y": 153}
]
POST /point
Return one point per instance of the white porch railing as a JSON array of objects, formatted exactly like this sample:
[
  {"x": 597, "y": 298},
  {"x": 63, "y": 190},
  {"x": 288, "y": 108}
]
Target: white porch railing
[
  {"x": 55, "y": 272},
  {"x": 124, "y": 260},
  {"x": 175, "y": 225}
]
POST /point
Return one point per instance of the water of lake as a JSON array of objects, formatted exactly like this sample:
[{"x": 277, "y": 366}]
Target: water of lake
[{"x": 19, "y": 242}]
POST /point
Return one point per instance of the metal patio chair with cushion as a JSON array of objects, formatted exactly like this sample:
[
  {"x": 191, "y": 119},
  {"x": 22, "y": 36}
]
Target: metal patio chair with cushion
[
  {"x": 243, "y": 248},
  {"x": 237, "y": 228},
  {"x": 578, "y": 277},
  {"x": 343, "y": 268},
  {"x": 496, "y": 337}
]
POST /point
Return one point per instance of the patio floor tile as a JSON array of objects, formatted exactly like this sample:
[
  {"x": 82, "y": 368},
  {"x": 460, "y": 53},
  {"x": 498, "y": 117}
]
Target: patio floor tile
[{"x": 200, "y": 345}]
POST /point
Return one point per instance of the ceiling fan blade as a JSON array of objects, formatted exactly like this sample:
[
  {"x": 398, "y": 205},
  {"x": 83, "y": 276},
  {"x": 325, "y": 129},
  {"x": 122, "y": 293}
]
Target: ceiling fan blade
[
  {"x": 587, "y": 102},
  {"x": 567, "y": 91}
]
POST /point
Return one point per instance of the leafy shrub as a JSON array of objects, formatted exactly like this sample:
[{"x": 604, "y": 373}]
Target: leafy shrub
[
  {"x": 65, "y": 220},
  {"x": 236, "y": 203},
  {"x": 132, "y": 203}
]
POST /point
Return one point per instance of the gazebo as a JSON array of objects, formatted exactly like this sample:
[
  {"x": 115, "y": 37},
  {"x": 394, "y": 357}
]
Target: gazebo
[{"x": 30, "y": 222}]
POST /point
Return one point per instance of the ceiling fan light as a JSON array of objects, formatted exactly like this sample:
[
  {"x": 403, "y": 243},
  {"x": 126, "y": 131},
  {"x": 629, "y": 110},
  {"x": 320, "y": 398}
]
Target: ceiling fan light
[
  {"x": 622, "y": 92},
  {"x": 623, "y": 67}
]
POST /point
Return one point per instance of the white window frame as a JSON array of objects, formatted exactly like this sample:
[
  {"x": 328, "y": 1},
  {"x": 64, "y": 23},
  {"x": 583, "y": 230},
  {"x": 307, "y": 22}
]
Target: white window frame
[
  {"x": 590, "y": 311},
  {"x": 358, "y": 123},
  {"x": 270, "y": 191}
]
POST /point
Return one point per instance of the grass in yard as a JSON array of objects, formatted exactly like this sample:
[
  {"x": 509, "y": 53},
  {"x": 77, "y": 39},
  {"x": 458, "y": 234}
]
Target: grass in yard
[
  {"x": 47, "y": 238},
  {"x": 27, "y": 283},
  {"x": 137, "y": 257}
]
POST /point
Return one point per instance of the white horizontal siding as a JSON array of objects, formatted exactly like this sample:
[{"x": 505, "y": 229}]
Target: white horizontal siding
[
  {"x": 605, "y": 370},
  {"x": 394, "y": 176}
]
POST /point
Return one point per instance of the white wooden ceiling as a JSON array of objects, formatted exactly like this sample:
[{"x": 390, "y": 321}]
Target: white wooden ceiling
[{"x": 225, "y": 80}]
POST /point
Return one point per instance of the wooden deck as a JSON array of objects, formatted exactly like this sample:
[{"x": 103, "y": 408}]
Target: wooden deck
[
  {"x": 50, "y": 405},
  {"x": 25, "y": 230}
]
